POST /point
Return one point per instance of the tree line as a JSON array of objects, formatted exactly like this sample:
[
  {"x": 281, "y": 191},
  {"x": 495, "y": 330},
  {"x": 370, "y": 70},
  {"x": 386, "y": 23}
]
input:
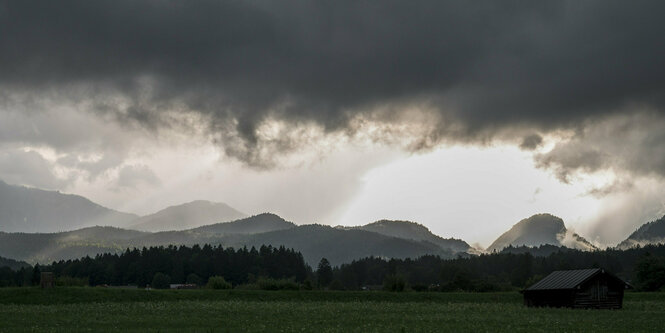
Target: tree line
[
  {"x": 280, "y": 268},
  {"x": 511, "y": 269},
  {"x": 176, "y": 264}
]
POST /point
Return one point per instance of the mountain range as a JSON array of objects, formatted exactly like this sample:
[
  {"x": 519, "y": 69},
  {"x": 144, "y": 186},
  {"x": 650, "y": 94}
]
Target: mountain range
[
  {"x": 313, "y": 241},
  {"x": 41, "y": 226}
]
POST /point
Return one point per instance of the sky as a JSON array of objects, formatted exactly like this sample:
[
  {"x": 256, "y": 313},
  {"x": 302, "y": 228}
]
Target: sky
[{"x": 463, "y": 116}]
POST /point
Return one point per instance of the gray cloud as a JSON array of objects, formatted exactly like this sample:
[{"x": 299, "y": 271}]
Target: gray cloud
[
  {"x": 612, "y": 188},
  {"x": 482, "y": 67},
  {"x": 131, "y": 176},
  {"x": 29, "y": 168}
]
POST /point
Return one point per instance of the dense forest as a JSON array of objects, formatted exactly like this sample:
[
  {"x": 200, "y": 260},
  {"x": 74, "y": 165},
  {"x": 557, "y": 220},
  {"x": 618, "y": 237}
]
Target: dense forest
[
  {"x": 511, "y": 269},
  {"x": 179, "y": 264}
]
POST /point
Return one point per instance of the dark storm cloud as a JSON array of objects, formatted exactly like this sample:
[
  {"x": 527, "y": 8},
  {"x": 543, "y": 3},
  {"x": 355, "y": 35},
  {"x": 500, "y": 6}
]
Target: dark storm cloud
[
  {"x": 631, "y": 142},
  {"x": 485, "y": 66}
]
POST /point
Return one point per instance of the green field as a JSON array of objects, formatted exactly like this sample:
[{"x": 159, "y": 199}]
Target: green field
[{"x": 113, "y": 310}]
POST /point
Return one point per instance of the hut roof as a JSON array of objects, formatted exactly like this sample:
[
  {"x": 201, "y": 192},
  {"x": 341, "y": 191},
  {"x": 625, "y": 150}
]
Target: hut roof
[{"x": 567, "y": 279}]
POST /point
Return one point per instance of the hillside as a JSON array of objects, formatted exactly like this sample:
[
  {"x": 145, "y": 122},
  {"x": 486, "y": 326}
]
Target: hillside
[
  {"x": 186, "y": 216},
  {"x": 341, "y": 246},
  {"x": 413, "y": 231},
  {"x": 46, "y": 247},
  {"x": 314, "y": 241},
  {"x": 24, "y": 209},
  {"x": 649, "y": 233},
  {"x": 540, "y": 229}
]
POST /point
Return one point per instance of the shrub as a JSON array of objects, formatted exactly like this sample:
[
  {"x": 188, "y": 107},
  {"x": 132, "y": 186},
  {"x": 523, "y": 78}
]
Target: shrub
[
  {"x": 218, "y": 282},
  {"x": 336, "y": 285},
  {"x": 194, "y": 279},
  {"x": 532, "y": 280},
  {"x": 248, "y": 286},
  {"x": 307, "y": 285},
  {"x": 420, "y": 287},
  {"x": 281, "y": 284},
  {"x": 394, "y": 283},
  {"x": 68, "y": 281},
  {"x": 650, "y": 272},
  {"x": 160, "y": 281}
]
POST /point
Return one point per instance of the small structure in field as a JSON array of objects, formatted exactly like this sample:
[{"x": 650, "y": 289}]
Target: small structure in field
[
  {"x": 183, "y": 286},
  {"x": 46, "y": 280},
  {"x": 581, "y": 288}
]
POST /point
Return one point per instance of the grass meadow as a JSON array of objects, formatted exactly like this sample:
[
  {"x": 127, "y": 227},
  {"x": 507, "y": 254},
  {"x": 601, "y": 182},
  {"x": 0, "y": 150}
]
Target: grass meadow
[{"x": 126, "y": 310}]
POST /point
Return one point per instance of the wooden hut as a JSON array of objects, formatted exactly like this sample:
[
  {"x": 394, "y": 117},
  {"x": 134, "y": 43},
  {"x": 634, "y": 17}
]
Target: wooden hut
[
  {"x": 582, "y": 288},
  {"x": 46, "y": 280}
]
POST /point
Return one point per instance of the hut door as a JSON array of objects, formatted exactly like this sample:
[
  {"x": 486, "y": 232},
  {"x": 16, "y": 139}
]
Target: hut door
[{"x": 599, "y": 291}]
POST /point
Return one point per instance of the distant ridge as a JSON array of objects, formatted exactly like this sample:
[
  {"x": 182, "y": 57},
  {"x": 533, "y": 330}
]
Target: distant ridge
[
  {"x": 265, "y": 222},
  {"x": 537, "y": 230},
  {"x": 24, "y": 209},
  {"x": 341, "y": 245},
  {"x": 188, "y": 215},
  {"x": 649, "y": 233}
]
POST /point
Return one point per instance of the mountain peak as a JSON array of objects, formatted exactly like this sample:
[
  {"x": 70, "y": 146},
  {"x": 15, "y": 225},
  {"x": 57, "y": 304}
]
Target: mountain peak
[
  {"x": 540, "y": 229},
  {"x": 649, "y": 233}
]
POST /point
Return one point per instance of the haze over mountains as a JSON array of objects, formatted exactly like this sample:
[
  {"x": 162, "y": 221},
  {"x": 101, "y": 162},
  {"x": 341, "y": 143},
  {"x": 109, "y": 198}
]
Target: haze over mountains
[
  {"x": 24, "y": 209},
  {"x": 189, "y": 215},
  {"x": 200, "y": 222}
]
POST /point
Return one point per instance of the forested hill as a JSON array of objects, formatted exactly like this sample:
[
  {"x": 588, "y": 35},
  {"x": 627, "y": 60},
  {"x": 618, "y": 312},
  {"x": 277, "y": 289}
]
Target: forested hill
[
  {"x": 340, "y": 246},
  {"x": 413, "y": 231},
  {"x": 12, "y": 264}
]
